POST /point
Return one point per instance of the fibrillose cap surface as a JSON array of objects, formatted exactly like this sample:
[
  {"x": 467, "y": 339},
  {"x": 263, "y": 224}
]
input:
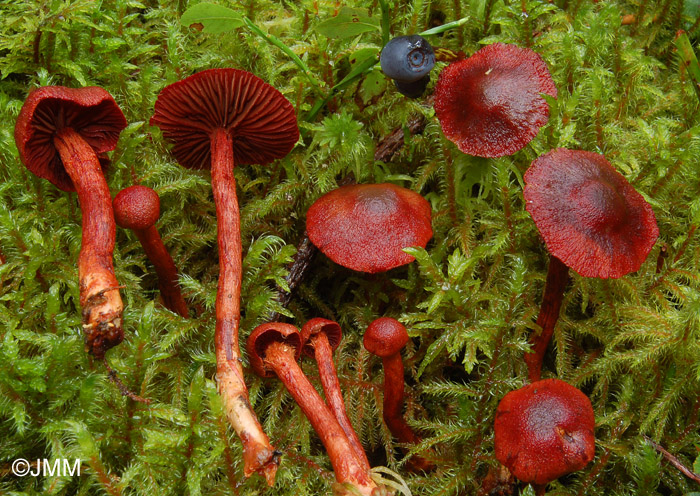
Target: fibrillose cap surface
[
  {"x": 385, "y": 337},
  {"x": 136, "y": 207},
  {"x": 265, "y": 334},
  {"x": 590, "y": 217},
  {"x": 319, "y": 325},
  {"x": 365, "y": 227},
  {"x": 260, "y": 120},
  {"x": 544, "y": 431},
  {"x": 90, "y": 111},
  {"x": 489, "y": 104}
]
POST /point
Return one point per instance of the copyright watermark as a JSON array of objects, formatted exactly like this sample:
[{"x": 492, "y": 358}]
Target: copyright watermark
[{"x": 59, "y": 467}]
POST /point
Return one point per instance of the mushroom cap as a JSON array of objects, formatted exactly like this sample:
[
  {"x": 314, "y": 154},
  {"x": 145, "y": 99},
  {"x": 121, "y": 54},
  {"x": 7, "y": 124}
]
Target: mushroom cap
[
  {"x": 320, "y": 325},
  {"x": 90, "y": 111},
  {"x": 136, "y": 207},
  {"x": 544, "y": 430},
  {"x": 489, "y": 104},
  {"x": 385, "y": 337},
  {"x": 365, "y": 227},
  {"x": 260, "y": 120},
  {"x": 590, "y": 217},
  {"x": 265, "y": 334}
]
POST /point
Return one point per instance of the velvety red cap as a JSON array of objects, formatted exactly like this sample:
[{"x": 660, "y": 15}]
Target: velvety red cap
[
  {"x": 90, "y": 111},
  {"x": 364, "y": 227},
  {"x": 259, "y": 118},
  {"x": 267, "y": 333},
  {"x": 590, "y": 217},
  {"x": 385, "y": 337},
  {"x": 317, "y": 325},
  {"x": 136, "y": 207},
  {"x": 489, "y": 105},
  {"x": 544, "y": 430}
]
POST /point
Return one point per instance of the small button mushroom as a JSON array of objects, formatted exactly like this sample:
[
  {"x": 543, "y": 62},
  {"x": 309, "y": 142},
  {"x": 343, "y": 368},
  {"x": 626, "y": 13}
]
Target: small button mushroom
[
  {"x": 138, "y": 208},
  {"x": 489, "y": 104},
  {"x": 592, "y": 220},
  {"x": 365, "y": 227},
  {"x": 60, "y": 133},
  {"x": 544, "y": 430},
  {"x": 408, "y": 60},
  {"x": 273, "y": 349}
]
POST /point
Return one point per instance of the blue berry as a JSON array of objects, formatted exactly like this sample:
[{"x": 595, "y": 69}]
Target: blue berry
[{"x": 407, "y": 59}]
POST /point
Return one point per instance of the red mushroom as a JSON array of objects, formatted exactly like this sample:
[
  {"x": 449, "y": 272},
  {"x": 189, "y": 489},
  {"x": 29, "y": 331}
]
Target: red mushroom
[
  {"x": 273, "y": 349},
  {"x": 217, "y": 119},
  {"x": 138, "y": 208},
  {"x": 59, "y": 134},
  {"x": 385, "y": 337},
  {"x": 544, "y": 430},
  {"x": 365, "y": 227},
  {"x": 320, "y": 337},
  {"x": 489, "y": 104},
  {"x": 592, "y": 221}
]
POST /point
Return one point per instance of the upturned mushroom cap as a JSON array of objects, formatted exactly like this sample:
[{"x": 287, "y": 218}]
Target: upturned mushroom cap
[
  {"x": 259, "y": 118},
  {"x": 267, "y": 333},
  {"x": 365, "y": 227},
  {"x": 318, "y": 325},
  {"x": 590, "y": 217},
  {"x": 136, "y": 207},
  {"x": 90, "y": 111},
  {"x": 385, "y": 337},
  {"x": 489, "y": 104},
  {"x": 544, "y": 430}
]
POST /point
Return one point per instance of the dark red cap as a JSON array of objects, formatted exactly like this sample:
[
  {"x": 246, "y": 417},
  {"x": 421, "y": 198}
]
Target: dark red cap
[
  {"x": 385, "y": 337},
  {"x": 489, "y": 105},
  {"x": 136, "y": 207},
  {"x": 90, "y": 111},
  {"x": 544, "y": 430},
  {"x": 267, "y": 333},
  {"x": 260, "y": 120},
  {"x": 366, "y": 226},
  {"x": 590, "y": 217},
  {"x": 317, "y": 325}
]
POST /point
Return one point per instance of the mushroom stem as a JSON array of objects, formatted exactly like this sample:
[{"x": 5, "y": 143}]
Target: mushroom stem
[
  {"x": 323, "y": 354},
  {"x": 557, "y": 279},
  {"x": 258, "y": 453},
  {"x": 99, "y": 290},
  {"x": 346, "y": 465}
]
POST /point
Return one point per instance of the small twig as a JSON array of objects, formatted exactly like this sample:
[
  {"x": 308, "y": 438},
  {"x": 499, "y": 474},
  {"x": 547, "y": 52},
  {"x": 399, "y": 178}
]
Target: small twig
[
  {"x": 674, "y": 461},
  {"x": 112, "y": 374}
]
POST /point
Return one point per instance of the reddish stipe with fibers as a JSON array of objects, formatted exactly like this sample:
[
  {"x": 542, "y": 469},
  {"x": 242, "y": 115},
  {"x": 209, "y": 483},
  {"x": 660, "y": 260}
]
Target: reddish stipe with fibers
[
  {"x": 320, "y": 337},
  {"x": 138, "y": 208},
  {"x": 592, "y": 220},
  {"x": 386, "y": 337},
  {"x": 544, "y": 430},
  {"x": 217, "y": 119},
  {"x": 274, "y": 348},
  {"x": 59, "y": 134}
]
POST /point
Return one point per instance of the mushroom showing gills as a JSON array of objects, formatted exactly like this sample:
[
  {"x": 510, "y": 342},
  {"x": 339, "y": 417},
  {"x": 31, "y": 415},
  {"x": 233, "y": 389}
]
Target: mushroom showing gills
[
  {"x": 217, "y": 119},
  {"x": 543, "y": 431},
  {"x": 385, "y": 338},
  {"x": 592, "y": 221},
  {"x": 489, "y": 104},
  {"x": 273, "y": 349},
  {"x": 365, "y": 227},
  {"x": 138, "y": 208},
  {"x": 320, "y": 337},
  {"x": 59, "y": 134}
]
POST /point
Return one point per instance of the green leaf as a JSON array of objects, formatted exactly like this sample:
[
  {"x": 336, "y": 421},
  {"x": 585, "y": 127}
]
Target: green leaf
[
  {"x": 349, "y": 22},
  {"x": 214, "y": 18}
]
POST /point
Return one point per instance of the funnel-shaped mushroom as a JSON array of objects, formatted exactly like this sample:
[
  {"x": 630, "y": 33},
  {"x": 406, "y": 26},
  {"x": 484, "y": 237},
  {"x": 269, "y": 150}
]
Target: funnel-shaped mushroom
[
  {"x": 59, "y": 134},
  {"x": 489, "y": 104},
  {"x": 274, "y": 348},
  {"x": 138, "y": 208},
  {"x": 592, "y": 221},
  {"x": 365, "y": 227},
  {"x": 217, "y": 119},
  {"x": 544, "y": 430}
]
